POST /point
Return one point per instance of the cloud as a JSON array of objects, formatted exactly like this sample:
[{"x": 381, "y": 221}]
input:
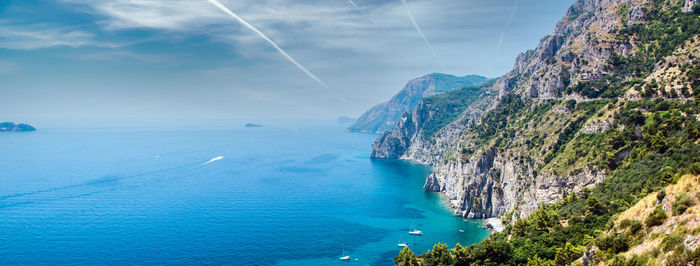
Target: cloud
[
  {"x": 119, "y": 55},
  {"x": 43, "y": 36},
  {"x": 157, "y": 14}
]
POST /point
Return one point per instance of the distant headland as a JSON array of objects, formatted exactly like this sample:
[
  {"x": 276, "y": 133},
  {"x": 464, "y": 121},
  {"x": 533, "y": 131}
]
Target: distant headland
[
  {"x": 252, "y": 125},
  {"x": 10, "y": 126}
]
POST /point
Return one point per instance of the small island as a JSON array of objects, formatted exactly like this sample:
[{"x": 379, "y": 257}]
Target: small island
[
  {"x": 10, "y": 126},
  {"x": 252, "y": 125}
]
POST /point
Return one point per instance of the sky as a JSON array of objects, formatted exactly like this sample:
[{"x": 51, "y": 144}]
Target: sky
[{"x": 185, "y": 60}]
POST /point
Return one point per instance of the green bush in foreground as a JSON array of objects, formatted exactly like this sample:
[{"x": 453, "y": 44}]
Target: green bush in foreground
[
  {"x": 406, "y": 258},
  {"x": 683, "y": 202},
  {"x": 656, "y": 217}
]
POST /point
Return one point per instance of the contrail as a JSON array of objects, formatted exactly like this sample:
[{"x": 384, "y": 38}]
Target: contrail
[
  {"x": 507, "y": 26},
  {"x": 212, "y": 160},
  {"x": 420, "y": 32},
  {"x": 353, "y": 4},
  {"x": 361, "y": 11},
  {"x": 264, "y": 37}
]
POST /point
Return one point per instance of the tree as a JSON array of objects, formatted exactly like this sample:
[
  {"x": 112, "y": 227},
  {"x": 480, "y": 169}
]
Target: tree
[
  {"x": 440, "y": 255},
  {"x": 519, "y": 228},
  {"x": 537, "y": 261},
  {"x": 595, "y": 206},
  {"x": 568, "y": 254},
  {"x": 406, "y": 257},
  {"x": 461, "y": 255}
]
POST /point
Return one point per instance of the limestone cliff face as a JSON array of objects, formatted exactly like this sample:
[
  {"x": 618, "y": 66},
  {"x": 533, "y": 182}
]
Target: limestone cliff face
[
  {"x": 518, "y": 169},
  {"x": 384, "y": 117}
]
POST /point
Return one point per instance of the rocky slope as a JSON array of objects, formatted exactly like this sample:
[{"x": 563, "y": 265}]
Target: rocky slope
[
  {"x": 383, "y": 117},
  {"x": 534, "y": 133}
]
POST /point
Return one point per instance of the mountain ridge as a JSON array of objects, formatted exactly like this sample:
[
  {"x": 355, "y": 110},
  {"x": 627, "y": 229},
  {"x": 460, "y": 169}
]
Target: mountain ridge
[
  {"x": 383, "y": 117},
  {"x": 603, "y": 113}
]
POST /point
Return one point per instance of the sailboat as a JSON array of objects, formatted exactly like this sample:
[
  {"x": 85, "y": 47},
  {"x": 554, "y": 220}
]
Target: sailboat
[
  {"x": 402, "y": 244},
  {"x": 413, "y": 231},
  {"x": 344, "y": 257}
]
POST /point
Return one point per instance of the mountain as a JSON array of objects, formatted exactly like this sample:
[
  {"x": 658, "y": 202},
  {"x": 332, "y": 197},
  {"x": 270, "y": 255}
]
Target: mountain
[
  {"x": 9, "y": 126},
  {"x": 383, "y": 117},
  {"x": 597, "y": 123}
]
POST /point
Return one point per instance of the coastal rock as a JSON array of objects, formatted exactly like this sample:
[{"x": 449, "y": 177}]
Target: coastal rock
[{"x": 494, "y": 225}]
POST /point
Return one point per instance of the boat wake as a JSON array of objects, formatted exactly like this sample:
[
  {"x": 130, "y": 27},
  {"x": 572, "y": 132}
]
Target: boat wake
[{"x": 211, "y": 161}]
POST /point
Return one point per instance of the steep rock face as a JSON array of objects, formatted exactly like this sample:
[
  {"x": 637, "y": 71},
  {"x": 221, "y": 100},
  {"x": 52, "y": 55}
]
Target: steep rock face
[
  {"x": 688, "y": 6},
  {"x": 383, "y": 117},
  {"x": 487, "y": 176}
]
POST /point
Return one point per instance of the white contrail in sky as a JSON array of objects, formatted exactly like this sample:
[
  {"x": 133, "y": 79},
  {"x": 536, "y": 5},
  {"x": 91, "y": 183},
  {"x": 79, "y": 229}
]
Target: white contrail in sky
[
  {"x": 508, "y": 22},
  {"x": 264, "y": 37},
  {"x": 353, "y": 4},
  {"x": 420, "y": 32},
  {"x": 360, "y": 10}
]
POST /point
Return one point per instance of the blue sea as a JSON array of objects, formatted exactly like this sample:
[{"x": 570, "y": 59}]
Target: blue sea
[{"x": 286, "y": 194}]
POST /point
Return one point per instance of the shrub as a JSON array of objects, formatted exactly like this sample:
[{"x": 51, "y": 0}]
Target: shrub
[
  {"x": 636, "y": 226},
  {"x": 671, "y": 242},
  {"x": 695, "y": 168},
  {"x": 661, "y": 195},
  {"x": 614, "y": 244},
  {"x": 683, "y": 202},
  {"x": 568, "y": 254},
  {"x": 656, "y": 217},
  {"x": 625, "y": 223}
]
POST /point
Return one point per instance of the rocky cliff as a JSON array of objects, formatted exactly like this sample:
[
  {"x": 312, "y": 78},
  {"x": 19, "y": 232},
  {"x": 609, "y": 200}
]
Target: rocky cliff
[
  {"x": 535, "y": 134},
  {"x": 383, "y": 117}
]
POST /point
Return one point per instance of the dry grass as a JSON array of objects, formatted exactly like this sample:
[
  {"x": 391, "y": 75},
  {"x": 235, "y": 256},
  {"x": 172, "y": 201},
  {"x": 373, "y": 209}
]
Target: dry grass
[{"x": 690, "y": 219}]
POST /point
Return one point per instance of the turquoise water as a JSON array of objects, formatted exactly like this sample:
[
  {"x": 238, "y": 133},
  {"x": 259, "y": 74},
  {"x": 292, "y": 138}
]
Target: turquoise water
[{"x": 282, "y": 194}]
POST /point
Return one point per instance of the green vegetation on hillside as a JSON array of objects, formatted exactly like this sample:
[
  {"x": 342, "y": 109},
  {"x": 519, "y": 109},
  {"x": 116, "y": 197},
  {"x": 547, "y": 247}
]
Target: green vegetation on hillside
[
  {"x": 444, "y": 108},
  {"x": 643, "y": 146},
  {"x": 557, "y": 233}
]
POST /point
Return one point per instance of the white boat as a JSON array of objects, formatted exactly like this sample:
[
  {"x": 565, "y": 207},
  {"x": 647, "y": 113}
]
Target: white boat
[
  {"x": 415, "y": 232},
  {"x": 403, "y": 245},
  {"x": 461, "y": 231},
  {"x": 344, "y": 257}
]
